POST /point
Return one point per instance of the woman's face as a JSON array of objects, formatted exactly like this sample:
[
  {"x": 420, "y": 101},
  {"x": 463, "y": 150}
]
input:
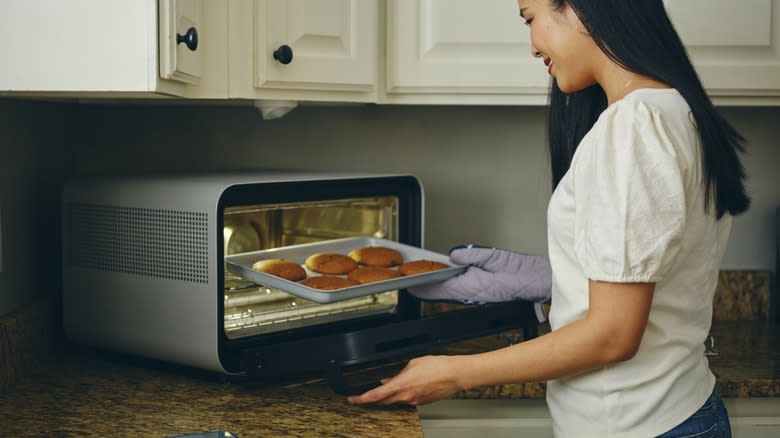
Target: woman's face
[{"x": 560, "y": 39}]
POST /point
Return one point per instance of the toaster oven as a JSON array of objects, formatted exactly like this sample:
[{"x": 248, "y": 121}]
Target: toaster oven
[{"x": 144, "y": 272}]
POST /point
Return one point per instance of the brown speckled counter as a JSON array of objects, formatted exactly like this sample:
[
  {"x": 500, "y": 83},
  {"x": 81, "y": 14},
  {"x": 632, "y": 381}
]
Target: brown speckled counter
[
  {"x": 748, "y": 360},
  {"x": 80, "y": 392},
  {"x": 743, "y": 295},
  {"x": 747, "y": 364},
  {"x": 91, "y": 394}
]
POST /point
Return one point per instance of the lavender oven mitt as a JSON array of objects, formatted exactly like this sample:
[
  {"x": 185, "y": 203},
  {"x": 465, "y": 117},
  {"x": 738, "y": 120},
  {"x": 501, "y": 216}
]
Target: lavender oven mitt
[{"x": 494, "y": 275}]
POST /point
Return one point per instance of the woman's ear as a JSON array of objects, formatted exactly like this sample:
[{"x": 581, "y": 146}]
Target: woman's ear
[
  {"x": 581, "y": 27},
  {"x": 572, "y": 16}
]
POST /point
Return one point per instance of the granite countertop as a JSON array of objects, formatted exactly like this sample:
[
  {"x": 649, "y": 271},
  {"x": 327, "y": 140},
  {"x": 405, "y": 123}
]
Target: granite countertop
[{"x": 82, "y": 392}]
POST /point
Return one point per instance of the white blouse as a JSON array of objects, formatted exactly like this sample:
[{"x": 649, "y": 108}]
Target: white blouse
[{"x": 631, "y": 209}]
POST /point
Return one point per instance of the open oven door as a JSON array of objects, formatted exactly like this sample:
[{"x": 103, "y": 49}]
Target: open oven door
[{"x": 334, "y": 353}]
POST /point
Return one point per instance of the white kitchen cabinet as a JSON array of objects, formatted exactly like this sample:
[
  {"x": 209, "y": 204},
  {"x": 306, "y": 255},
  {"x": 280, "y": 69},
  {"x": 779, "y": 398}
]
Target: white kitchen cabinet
[
  {"x": 113, "y": 48},
  {"x": 378, "y": 51},
  {"x": 480, "y": 418},
  {"x": 179, "y": 40},
  {"x": 735, "y": 47},
  {"x": 304, "y": 49},
  {"x": 464, "y": 51},
  {"x": 461, "y": 51},
  {"x": 749, "y": 417}
]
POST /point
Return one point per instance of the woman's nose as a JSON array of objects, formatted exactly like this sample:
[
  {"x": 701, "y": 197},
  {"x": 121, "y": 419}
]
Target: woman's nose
[{"x": 536, "y": 53}]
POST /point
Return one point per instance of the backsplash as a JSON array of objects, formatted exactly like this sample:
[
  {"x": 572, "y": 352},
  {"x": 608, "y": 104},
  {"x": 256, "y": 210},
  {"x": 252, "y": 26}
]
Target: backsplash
[
  {"x": 28, "y": 335},
  {"x": 743, "y": 295}
]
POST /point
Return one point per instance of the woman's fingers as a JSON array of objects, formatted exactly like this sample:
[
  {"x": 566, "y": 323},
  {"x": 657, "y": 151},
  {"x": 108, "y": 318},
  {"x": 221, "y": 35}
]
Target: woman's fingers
[
  {"x": 379, "y": 395},
  {"x": 423, "y": 380}
]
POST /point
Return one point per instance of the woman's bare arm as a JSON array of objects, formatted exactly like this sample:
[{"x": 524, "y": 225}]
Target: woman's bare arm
[{"x": 610, "y": 332}]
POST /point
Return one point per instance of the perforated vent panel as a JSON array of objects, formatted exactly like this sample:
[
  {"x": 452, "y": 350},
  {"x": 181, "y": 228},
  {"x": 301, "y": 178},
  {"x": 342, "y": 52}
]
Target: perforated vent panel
[{"x": 158, "y": 243}]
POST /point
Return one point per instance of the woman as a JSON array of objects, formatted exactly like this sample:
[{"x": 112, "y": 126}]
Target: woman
[{"x": 646, "y": 179}]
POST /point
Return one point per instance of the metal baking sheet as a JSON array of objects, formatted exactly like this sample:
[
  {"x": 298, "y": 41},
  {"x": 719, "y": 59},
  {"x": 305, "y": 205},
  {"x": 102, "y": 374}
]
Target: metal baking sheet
[{"x": 241, "y": 265}]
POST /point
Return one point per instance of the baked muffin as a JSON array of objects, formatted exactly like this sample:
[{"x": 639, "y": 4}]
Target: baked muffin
[
  {"x": 377, "y": 256},
  {"x": 328, "y": 263},
  {"x": 281, "y": 268},
  {"x": 370, "y": 274},
  {"x": 420, "y": 267},
  {"x": 328, "y": 282}
]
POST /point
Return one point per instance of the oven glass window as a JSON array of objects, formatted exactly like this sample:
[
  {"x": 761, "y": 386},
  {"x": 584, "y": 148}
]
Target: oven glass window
[{"x": 252, "y": 309}]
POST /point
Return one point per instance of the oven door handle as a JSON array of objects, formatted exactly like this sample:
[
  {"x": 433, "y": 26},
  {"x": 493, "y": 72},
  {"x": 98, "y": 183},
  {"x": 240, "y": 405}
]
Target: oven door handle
[
  {"x": 338, "y": 383},
  {"x": 394, "y": 347},
  {"x": 418, "y": 337},
  {"x": 333, "y": 354}
]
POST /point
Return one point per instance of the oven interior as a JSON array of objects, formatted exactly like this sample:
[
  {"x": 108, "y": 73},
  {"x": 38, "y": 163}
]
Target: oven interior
[{"x": 253, "y": 309}]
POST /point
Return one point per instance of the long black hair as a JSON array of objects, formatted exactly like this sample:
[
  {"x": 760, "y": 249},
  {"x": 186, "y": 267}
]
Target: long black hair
[{"x": 639, "y": 36}]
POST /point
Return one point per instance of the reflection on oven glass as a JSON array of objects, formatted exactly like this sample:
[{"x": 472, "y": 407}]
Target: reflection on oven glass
[
  {"x": 259, "y": 309},
  {"x": 256, "y": 227}
]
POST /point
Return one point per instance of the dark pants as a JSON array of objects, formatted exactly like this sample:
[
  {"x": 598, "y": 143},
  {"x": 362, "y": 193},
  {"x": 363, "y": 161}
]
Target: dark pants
[{"x": 710, "y": 421}]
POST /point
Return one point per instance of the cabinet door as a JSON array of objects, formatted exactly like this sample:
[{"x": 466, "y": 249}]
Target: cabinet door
[
  {"x": 461, "y": 47},
  {"x": 333, "y": 44},
  {"x": 92, "y": 46},
  {"x": 180, "y": 31},
  {"x": 735, "y": 46},
  {"x": 112, "y": 48}
]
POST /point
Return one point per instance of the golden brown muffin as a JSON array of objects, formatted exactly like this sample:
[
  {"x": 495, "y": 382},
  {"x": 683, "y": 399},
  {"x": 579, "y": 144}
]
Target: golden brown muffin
[
  {"x": 328, "y": 282},
  {"x": 370, "y": 274},
  {"x": 420, "y": 267},
  {"x": 377, "y": 256},
  {"x": 335, "y": 264},
  {"x": 281, "y": 268}
]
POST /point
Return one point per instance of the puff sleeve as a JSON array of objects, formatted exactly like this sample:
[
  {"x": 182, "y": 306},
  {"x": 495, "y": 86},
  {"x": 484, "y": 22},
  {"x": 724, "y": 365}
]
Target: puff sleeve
[{"x": 630, "y": 197}]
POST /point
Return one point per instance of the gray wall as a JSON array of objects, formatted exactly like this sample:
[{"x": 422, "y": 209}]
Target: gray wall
[
  {"x": 34, "y": 159},
  {"x": 484, "y": 169},
  {"x": 754, "y": 235}
]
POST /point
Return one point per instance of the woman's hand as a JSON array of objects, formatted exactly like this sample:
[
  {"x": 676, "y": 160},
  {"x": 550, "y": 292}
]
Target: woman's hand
[{"x": 424, "y": 380}]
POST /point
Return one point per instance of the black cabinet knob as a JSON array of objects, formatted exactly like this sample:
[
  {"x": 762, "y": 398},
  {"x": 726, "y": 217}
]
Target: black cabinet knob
[
  {"x": 190, "y": 39},
  {"x": 284, "y": 54}
]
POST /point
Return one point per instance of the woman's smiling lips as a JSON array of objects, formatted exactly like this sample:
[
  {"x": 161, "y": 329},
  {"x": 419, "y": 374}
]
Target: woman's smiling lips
[{"x": 548, "y": 63}]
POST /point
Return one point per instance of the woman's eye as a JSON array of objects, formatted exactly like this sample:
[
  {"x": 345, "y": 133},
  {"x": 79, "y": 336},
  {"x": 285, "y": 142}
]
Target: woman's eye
[{"x": 528, "y": 22}]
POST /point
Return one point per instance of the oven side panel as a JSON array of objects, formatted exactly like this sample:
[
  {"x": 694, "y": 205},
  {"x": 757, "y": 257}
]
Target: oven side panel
[{"x": 140, "y": 269}]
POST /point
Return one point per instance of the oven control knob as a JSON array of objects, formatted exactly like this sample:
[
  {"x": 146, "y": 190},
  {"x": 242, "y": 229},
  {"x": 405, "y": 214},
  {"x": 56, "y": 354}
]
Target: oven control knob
[
  {"x": 190, "y": 39},
  {"x": 284, "y": 54}
]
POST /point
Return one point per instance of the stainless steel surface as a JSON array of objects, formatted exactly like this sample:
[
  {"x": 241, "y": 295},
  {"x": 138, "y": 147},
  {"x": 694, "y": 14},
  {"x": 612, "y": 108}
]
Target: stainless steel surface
[{"x": 265, "y": 226}]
